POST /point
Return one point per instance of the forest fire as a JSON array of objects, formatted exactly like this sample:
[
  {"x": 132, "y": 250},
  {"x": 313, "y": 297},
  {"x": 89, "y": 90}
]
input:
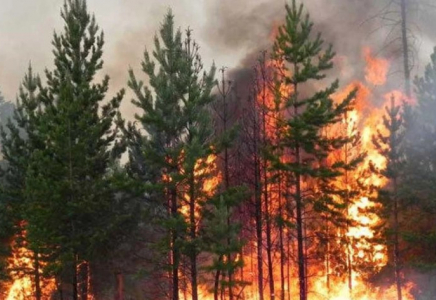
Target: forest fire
[
  {"x": 331, "y": 280},
  {"x": 270, "y": 182},
  {"x": 22, "y": 271}
]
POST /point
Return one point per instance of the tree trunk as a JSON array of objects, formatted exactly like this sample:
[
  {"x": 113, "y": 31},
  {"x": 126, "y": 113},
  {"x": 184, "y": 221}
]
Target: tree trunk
[
  {"x": 84, "y": 279},
  {"x": 281, "y": 242},
  {"x": 193, "y": 235},
  {"x": 75, "y": 279},
  {"x": 265, "y": 183},
  {"x": 405, "y": 46},
  {"x": 174, "y": 249},
  {"x": 119, "y": 278},
  {"x": 59, "y": 287},
  {"x": 217, "y": 280},
  {"x": 397, "y": 245},
  {"x": 258, "y": 217},
  {"x": 300, "y": 238},
  {"x": 327, "y": 257},
  {"x": 38, "y": 293}
]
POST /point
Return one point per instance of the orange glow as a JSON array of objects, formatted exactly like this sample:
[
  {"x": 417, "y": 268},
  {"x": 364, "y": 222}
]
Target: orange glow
[
  {"x": 326, "y": 277},
  {"x": 22, "y": 272},
  {"x": 325, "y": 282},
  {"x": 376, "y": 68}
]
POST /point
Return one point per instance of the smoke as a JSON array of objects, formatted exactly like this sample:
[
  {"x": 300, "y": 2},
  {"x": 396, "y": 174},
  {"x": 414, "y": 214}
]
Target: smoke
[
  {"x": 350, "y": 25},
  {"x": 230, "y": 33}
]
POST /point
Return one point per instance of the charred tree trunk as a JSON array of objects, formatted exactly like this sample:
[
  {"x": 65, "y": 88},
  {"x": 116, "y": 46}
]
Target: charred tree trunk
[
  {"x": 84, "y": 278},
  {"x": 300, "y": 236},
  {"x": 348, "y": 202},
  {"x": 216, "y": 286},
  {"x": 397, "y": 243},
  {"x": 38, "y": 292},
  {"x": 258, "y": 213},
  {"x": 327, "y": 257},
  {"x": 174, "y": 248},
  {"x": 119, "y": 278},
  {"x": 281, "y": 242},
  {"x": 299, "y": 209},
  {"x": 75, "y": 279},
  {"x": 266, "y": 196},
  {"x": 268, "y": 238},
  {"x": 59, "y": 288},
  {"x": 193, "y": 235},
  {"x": 224, "y": 116}
]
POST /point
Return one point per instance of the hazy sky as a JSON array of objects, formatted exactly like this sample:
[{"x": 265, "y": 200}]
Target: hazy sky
[{"x": 227, "y": 31}]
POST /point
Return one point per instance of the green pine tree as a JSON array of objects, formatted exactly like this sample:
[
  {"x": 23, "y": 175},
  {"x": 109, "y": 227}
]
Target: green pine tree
[
  {"x": 418, "y": 190},
  {"x": 305, "y": 61},
  {"x": 19, "y": 140},
  {"x": 390, "y": 146},
  {"x": 75, "y": 210},
  {"x": 222, "y": 241},
  {"x": 172, "y": 157}
]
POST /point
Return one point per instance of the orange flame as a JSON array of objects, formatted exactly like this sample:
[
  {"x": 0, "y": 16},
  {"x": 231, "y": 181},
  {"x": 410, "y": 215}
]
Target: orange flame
[
  {"x": 376, "y": 68},
  {"x": 22, "y": 269}
]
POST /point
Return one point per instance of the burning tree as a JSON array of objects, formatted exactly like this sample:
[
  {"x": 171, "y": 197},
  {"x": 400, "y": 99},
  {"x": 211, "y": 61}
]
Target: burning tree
[
  {"x": 179, "y": 150},
  {"x": 305, "y": 60}
]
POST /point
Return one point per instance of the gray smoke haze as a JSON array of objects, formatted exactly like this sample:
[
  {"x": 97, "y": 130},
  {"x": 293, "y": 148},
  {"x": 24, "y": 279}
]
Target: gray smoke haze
[{"x": 230, "y": 33}]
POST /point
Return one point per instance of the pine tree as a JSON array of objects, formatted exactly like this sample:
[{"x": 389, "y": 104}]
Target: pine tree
[
  {"x": 178, "y": 143},
  {"x": 418, "y": 187},
  {"x": 6, "y": 210},
  {"x": 306, "y": 60},
  {"x": 74, "y": 208},
  {"x": 19, "y": 141},
  {"x": 226, "y": 131},
  {"x": 249, "y": 148},
  {"x": 390, "y": 146},
  {"x": 222, "y": 241},
  {"x": 349, "y": 188}
]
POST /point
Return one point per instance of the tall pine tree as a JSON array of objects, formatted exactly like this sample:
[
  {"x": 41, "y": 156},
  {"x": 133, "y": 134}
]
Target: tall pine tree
[
  {"x": 19, "y": 140},
  {"x": 305, "y": 61},
  {"x": 74, "y": 208},
  {"x": 178, "y": 144}
]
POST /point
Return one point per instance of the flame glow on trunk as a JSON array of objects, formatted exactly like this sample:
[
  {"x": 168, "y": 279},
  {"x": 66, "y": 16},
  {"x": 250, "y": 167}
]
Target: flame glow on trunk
[
  {"x": 22, "y": 268},
  {"x": 22, "y": 287},
  {"x": 326, "y": 283}
]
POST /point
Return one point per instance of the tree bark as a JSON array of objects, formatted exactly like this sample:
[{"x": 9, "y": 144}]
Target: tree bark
[
  {"x": 119, "y": 278},
  {"x": 258, "y": 215},
  {"x": 397, "y": 244},
  {"x": 75, "y": 279},
  {"x": 38, "y": 293},
  {"x": 299, "y": 209},
  {"x": 84, "y": 278},
  {"x": 405, "y": 46},
  {"x": 174, "y": 249},
  {"x": 193, "y": 235}
]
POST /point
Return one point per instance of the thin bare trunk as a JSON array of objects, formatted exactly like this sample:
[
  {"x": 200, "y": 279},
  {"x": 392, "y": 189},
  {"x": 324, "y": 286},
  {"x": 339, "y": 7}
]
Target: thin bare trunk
[
  {"x": 405, "y": 46},
  {"x": 174, "y": 248},
  {"x": 397, "y": 244},
  {"x": 327, "y": 258},
  {"x": 217, "y": 280},
  {"x": 299, "y": 210},
  {"x": 193, "y": 235},
  {"x": 38, "y": 293},
  {"x": 75, "y": 279},
  {"x": 258, "y": 216},
  {"x": 281, "y": 242},
  {"x": 84, "y": 278},
  {"x": 119, "y": 286}
]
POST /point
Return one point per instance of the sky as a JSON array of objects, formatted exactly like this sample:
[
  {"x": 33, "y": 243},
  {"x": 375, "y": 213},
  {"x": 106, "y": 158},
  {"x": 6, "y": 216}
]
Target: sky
[{"x": 229, "y": 32}]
